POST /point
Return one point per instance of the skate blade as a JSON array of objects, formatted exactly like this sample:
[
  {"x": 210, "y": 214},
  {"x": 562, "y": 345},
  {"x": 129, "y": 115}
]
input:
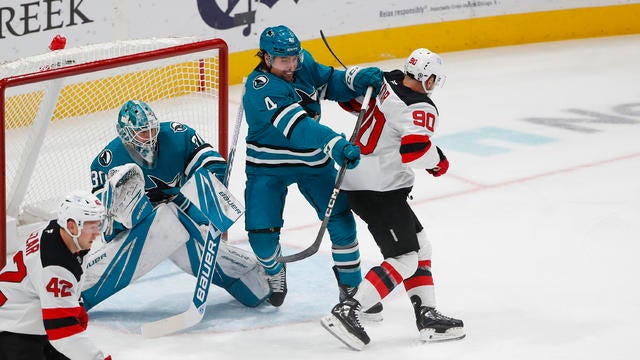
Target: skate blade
[
  {"x": 430, "y": 335},
  {"x": 335, "y": 327}
]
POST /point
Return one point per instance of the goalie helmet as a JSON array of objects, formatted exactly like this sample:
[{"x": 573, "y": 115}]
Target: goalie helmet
[
  {"x": 81, "y": 206},
  {"x": 138, "y": 129},
  {"x": 421, "y": 64},
  {"x": 280, "y": 41}
]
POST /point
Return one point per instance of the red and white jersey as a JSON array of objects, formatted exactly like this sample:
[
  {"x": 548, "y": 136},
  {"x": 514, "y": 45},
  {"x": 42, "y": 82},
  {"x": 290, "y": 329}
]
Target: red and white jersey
[
  {"x": 394, "y": 137},
  {"x": 40, "y": 291}
]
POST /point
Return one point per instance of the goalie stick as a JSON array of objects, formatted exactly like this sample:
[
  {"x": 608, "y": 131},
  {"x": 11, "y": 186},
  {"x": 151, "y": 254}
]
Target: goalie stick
[
  {"x": 194, "y": 314},
  {"x": 334, "y": 194}
]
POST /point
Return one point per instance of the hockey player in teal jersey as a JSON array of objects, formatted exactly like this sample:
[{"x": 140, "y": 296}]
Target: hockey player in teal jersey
[
  {"x": 286, "y": 144},
  {"x": 140, "y": 176}
]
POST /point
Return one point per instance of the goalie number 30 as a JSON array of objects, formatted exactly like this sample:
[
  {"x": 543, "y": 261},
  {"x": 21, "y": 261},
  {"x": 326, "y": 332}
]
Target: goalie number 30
[{"x": 98, "y": 178}]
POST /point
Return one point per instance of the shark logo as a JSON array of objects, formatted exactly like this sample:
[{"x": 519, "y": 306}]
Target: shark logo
[
  {"x": 177, "y": 127},
  {"x": 105, "y": 158},
  {"x": 260, "y": 81},
  {"x": 222, "y": 19}
]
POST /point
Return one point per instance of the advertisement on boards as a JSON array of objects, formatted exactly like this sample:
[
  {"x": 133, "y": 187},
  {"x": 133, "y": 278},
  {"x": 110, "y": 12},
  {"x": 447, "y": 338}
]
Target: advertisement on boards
[{"x": 27, "y": 26}]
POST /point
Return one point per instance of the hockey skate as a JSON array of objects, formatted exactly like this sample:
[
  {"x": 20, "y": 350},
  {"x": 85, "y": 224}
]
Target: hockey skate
[
  {"x": 371, "y": 315},
  {"x": 344, "y": 324},
  {"x": 278, "y": 285},
  {"x": 434, "y": 326}
]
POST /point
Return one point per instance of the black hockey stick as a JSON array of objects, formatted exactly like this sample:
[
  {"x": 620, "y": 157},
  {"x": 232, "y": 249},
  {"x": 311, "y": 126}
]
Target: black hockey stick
[
  {"x": 326, "y": 43},
  {"x": 334, "y": 194}
]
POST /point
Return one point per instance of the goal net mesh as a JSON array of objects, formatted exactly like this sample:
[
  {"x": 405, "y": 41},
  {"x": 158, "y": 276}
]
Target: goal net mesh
[{"x": 54, "y": 128}]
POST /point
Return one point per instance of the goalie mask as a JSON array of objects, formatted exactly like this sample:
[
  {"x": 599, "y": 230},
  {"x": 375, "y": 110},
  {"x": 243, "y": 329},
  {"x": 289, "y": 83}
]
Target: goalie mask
[
  {"x": 81, "y": 206},
  {"x": 138, "y": 129},
  {"x": 280, "y": 41},
  {"x": 421, "y": 64}
]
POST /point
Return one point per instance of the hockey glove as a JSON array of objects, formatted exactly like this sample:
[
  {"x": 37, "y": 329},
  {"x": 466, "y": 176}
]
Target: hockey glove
[
  {"x": 341, "y": 150},
  {"x": 442, "y": 166},
  {"x": 359, "y": 79}
]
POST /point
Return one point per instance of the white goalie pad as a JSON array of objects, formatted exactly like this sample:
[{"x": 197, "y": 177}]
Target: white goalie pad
[
  {"x": 124, "y": 195},
  {"x": 133, "y": 253}
]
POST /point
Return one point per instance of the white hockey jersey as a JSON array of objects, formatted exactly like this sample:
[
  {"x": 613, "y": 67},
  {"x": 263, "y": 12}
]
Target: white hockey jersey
[
  {"x": 394, "y": 138},
  {"x": 39, "y": 292}
]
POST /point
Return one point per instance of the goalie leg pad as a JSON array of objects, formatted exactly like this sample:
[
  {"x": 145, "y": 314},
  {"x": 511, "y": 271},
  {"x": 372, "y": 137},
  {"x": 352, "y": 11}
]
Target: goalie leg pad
[
  {"x": 238, "y": 272},
  {"x": 131, "y": 254}
]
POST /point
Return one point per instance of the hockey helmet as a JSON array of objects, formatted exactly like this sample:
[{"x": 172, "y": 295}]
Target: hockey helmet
[
  {"x": 81, "y": 206},
  {"x": 421, "y": 64},
  {"x": 280, "y": 41},
  {"x": 138, "y": 129}
]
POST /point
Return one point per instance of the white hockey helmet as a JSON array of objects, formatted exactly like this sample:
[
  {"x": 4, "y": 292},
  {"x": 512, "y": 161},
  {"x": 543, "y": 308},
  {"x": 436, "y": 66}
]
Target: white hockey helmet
[
  {"x": 81, "y": 206},
  {"x": 421, "y": 64}
]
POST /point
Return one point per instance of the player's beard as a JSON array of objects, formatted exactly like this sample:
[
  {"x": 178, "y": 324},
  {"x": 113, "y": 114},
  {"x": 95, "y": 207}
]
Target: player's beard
[{"x": 288, "y": 75}]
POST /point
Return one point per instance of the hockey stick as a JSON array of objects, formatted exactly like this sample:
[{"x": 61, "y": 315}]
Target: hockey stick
[
  {"x": 234, "y": 143},
  {"x": 194, "y": 314},
  {"x": 216, "y": 212},
  {"x": 326, "y": 43},
  {"x": 334, "y": 194},
  {"x": 234, "y": 140}
]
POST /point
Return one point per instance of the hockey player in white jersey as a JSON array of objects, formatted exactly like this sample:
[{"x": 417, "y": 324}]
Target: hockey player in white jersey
[
  {"x": 396, "y": 137},
  {"x": 40, "y": 315}
]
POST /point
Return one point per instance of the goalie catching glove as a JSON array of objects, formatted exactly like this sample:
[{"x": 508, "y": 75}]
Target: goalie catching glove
[{"x": 124, "y": 196}]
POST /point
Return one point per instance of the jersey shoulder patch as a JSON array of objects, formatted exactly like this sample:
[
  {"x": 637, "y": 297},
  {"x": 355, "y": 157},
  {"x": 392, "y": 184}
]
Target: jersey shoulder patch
[
  {"x": 177, "y": 127},
  {"x": 260, "y": 81},
  {"x": 105, "y": 158}
]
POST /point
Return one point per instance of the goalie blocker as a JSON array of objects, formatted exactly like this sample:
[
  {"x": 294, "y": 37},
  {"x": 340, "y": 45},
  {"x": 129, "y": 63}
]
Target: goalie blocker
[{"x": 175, "y": 230}]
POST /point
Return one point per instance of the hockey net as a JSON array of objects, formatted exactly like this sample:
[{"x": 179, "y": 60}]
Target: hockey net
[{"x": 59, "y": 110}]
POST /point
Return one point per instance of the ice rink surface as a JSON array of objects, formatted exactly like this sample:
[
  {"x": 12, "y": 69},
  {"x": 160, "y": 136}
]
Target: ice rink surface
[{"x": 535, "y": 228}]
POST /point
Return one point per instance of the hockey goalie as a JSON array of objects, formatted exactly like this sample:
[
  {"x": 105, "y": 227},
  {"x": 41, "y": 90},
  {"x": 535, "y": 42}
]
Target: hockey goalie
[{"x": 160, "y": 184}]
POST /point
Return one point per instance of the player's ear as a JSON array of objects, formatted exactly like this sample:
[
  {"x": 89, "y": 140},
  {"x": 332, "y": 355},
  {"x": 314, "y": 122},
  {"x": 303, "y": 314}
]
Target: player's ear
[{"x": 72, "y": 227}]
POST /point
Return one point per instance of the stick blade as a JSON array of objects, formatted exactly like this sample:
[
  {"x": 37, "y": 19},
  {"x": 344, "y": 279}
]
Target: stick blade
[
  {"x": 298, "y": 256},
  {"x": 173, "y": 324}
]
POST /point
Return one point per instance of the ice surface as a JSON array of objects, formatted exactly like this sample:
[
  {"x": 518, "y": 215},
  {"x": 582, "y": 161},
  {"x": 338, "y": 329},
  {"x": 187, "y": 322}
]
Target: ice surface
[{"x": 535, "y": 227}]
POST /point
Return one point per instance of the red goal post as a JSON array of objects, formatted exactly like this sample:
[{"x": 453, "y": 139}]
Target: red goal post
[{"x": 59, "y": 109}]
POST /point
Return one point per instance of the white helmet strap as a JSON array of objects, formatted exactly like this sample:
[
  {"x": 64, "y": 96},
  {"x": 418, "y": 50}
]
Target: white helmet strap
[{"x": 76, "y": 236}]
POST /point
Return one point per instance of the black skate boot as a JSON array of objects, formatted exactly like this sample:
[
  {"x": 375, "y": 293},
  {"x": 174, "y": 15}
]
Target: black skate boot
[
  {"x": 372, "y": 314},
  {"x": 278, "y": 285},
  {"x": 434, "y": 326},
  {"x": 344, "y": 324}
]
